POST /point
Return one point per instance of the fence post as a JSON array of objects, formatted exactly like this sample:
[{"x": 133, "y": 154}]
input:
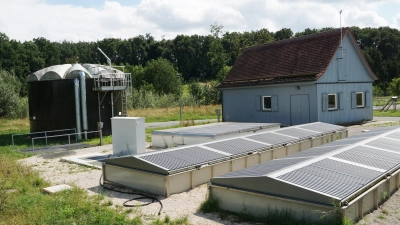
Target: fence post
[
  {"x": 69, "y": 142},
  {"x": 45, "y": 135},
  {"x": 33, "y": 145},
  {"x": 12, "y": 138}
]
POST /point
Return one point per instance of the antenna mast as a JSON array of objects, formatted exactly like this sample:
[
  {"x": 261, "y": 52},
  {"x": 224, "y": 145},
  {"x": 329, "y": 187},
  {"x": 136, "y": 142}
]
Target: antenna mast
[
  {"x": 108, "y": 59},
  {"x": 340, "y": 28}
]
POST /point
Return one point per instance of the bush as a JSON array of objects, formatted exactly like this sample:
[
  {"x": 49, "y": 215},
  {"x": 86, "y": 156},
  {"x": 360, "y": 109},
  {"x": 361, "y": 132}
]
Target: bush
[
  {"x": 142, "y": 99},
  {"x": 377, "y": 91},
  {"x": 394, "y": 87},
  {"x": 12, "y": 106}
]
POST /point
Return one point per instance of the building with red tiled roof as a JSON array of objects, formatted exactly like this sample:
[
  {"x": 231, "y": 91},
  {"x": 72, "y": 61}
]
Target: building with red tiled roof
[{"x": 320, "y": 77}]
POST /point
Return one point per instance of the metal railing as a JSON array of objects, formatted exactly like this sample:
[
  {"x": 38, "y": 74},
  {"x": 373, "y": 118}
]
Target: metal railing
[
  {"x": 62, "y": 135},
  {"x": 112, "y": 80},
  {"x": 41, "y": 132}
]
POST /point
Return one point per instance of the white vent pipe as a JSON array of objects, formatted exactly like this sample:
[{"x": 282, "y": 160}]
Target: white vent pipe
[
  {"x": 77, "y": 109},
  {"x": 83, "y": 100}
]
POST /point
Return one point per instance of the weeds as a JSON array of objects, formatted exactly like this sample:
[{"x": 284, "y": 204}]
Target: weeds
[
  {"x": 209, "y": 205},
  {"x": 168, "y": 221}
]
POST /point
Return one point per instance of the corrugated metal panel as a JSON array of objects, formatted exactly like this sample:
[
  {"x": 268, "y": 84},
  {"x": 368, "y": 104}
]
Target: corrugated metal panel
[
  {"x": 338, "y": 169},
  {"x": 321, "y": 127},
  {"x": 371, "y": 157},
  {"x": 395, "y": 135},
  {"x": 299, "y": 133},
  {"x": 264, "y": 168},
  {"x": 185, "y": 157},
  {"x": 273, "y": 138},
  {"x": 389, "y": 144},
  {"x": 331, "y": 177},
  {"x": 315, "y": 151},
  {"x": 237, "y": 146}
]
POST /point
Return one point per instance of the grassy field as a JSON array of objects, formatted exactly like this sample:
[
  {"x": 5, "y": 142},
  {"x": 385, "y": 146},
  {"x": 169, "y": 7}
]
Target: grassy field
[
  {"x": 23, "y": 202},
  {"x": 172, "y": 114},
  {"x": 389, "y": 113}
]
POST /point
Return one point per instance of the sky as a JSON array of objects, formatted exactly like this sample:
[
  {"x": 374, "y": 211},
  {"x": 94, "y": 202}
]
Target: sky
[{"x": 92, "y": 20}]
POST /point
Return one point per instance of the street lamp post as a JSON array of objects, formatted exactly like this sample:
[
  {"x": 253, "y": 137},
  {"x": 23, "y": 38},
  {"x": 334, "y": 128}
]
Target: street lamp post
[{"x": 180, "y": 96}]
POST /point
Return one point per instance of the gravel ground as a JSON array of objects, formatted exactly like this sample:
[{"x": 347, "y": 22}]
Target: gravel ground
[{"x": 178, "y": 205}]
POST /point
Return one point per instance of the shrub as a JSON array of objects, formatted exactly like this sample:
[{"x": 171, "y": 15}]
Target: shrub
[{"x": 12, "y": 106}]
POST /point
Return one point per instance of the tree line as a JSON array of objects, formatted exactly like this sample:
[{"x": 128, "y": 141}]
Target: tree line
[{"x": 193, "y": 57}]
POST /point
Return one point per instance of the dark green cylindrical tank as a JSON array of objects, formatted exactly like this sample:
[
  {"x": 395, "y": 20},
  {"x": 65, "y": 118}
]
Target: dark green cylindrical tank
[{"x": 52, "y": 106}]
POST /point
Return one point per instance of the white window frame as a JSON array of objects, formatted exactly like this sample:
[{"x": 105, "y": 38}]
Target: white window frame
[
  {"x": 262, "y": 103},
  {"x": 362, "y": 99},
  {"x": 336, "y": 102}
]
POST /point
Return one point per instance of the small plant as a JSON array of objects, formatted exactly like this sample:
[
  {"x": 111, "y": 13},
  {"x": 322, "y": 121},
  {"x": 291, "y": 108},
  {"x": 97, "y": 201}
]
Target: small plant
[
  {"x": 382, "y": 217},
  {"x": 188, "y": 123},
  {"x": 384, "y": 211},
  {"x": 209, "y": 205},
  {"x": 108, "y": 203},
  {"x": 385, "y": 195},
  {"x": 169, "y": 221}
]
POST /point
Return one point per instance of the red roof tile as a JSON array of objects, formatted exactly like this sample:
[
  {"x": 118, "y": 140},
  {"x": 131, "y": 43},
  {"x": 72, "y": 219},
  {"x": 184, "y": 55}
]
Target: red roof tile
[{"x": 292, "y": 60}]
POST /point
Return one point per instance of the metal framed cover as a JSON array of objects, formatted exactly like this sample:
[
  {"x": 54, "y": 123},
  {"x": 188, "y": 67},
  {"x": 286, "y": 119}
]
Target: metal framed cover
[
  {"x": 340, "y": 170},
  {"x": 176, "y": 160}
]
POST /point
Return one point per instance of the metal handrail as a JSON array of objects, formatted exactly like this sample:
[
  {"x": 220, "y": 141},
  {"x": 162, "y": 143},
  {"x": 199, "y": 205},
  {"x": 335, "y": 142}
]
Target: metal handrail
[
  {"x": 39, "y": 132},
  {"x": 113, "y": 79},
  {"x": 62, "y": 135}
]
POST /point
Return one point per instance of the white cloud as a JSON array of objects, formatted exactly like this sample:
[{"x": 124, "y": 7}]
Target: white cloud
[
  {"x": 364, "y": 18},
  {"x": 28, "y": 19}
]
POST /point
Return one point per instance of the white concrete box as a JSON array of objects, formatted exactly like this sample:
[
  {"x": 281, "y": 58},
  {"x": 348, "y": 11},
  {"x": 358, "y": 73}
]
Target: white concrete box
[{"x": 128, "y": 135}]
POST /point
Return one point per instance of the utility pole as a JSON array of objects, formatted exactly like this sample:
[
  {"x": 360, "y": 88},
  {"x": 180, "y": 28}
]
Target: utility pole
[{"x": 180, "y": 96}]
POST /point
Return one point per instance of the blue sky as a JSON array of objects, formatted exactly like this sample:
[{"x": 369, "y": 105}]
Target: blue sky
[{"x": 92, "y": 20}]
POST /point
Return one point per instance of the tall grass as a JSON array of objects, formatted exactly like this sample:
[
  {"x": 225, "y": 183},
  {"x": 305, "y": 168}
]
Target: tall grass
[{"x": 172, "y": 113}]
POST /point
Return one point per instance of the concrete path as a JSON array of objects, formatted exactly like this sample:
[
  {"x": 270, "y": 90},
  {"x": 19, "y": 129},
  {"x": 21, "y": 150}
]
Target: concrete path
[
  {"x": 386, "y": 118},
  {"x": 390, "y": 108}
]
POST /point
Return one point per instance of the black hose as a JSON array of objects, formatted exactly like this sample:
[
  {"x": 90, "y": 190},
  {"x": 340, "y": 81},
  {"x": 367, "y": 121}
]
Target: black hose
[{"x": 142, "y": 196}]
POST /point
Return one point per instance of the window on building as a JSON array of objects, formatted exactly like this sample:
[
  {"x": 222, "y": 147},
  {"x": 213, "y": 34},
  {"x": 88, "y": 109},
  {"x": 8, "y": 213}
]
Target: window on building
[
  {"x": 332, "y": 101},
  {"x": 266, "y": 102},
  {"x": 360, "y": 99}
]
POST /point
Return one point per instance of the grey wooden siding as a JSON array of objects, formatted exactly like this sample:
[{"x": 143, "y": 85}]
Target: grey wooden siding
[
  {"x": 353, "y": 68},
  {"x": 244, "y": 104},
  {"x": 346, "y": 111}
]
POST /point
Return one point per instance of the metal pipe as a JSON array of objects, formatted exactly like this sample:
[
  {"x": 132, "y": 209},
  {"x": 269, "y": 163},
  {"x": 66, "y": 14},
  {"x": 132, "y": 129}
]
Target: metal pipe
[
  {"x": 83, "y": 100},
  {"x": 112, "y": 104},
  {"x": 99, "y": 126},
  {"x": 77, "y": 109}
]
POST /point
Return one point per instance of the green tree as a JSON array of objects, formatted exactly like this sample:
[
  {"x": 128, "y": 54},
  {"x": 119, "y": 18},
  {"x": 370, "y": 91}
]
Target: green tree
[
  {"x": 223, "y": 72},
  {"x": 377, "y": 91},
  {"x": 217, "y": 54},
  {"x": 284, "y": 33},
  {"x": 196, "y": 91},
  {"x": 394, "y": 87},
  {"x": 162, "y": 75}
]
